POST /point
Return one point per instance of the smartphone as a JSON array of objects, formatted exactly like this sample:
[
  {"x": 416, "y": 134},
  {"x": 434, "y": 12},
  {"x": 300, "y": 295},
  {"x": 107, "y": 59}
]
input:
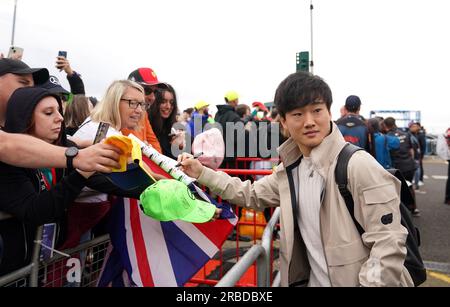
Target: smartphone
[
  {"x": 62, "y": 53},
  {"x": 15, "y": 53},
  {"x": 101, "y": 132},
  {"x": 48, "y": 239}
]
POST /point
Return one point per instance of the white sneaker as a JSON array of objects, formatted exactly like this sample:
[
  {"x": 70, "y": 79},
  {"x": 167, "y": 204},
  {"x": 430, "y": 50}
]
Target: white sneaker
[{"x": 421, "y": 183}]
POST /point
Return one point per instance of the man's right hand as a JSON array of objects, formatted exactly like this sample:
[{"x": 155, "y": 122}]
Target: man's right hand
[
  {"x": 99, "y": 157},
  {"x": 190, "y": 166}
]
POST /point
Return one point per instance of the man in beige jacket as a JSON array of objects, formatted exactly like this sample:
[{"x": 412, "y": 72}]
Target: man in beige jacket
[{"x": 319, "y": 243}]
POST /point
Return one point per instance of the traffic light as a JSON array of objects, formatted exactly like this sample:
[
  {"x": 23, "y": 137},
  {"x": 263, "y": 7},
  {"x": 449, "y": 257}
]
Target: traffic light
[{"x": 303, "y": 61}]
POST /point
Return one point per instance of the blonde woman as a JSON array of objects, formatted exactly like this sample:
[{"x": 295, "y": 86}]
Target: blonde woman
[{"x": 123, "y": 107}]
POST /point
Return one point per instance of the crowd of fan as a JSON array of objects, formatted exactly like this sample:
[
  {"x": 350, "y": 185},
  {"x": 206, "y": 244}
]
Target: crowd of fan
[{"x": 390, "y": 146}]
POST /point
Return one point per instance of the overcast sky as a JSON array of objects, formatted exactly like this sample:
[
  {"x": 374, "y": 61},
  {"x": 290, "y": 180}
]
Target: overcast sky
[{"x": 394, "y": 54}]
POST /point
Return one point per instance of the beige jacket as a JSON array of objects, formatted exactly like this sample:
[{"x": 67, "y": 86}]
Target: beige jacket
[{"x": 375, "y": 259}]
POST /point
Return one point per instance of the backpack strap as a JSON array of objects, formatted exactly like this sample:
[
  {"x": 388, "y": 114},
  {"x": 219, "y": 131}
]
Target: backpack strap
[{"x": 340, "y": 175}]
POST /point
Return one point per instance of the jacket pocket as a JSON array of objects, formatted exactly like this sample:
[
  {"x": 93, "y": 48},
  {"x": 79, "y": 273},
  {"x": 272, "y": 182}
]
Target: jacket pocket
[
  {"x": 380, "y": 195},
  {"x": 347, "y": 254}
]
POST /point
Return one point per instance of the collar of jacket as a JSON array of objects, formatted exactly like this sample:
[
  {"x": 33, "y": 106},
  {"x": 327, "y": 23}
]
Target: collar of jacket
[
  {"x": 322, "y": 156},
  {"x": 225, "y": 107}
]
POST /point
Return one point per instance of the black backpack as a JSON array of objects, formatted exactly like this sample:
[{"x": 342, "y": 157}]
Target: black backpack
[{"x": 413, "y": 260}]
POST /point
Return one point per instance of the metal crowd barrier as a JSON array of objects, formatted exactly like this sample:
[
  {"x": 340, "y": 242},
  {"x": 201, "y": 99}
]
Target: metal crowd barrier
[
  {"x": 51, "y": 273},
  {"x": 260, "y": 253}
]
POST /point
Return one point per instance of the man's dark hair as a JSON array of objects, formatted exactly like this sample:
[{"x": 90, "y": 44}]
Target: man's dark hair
[
  {"x": 301, "y": 89},
  {"x": 241, "y": 109},
  {"x": 353, "y": 103},
  {"x": 189, "y": 111},
  {"x": 273, "y": 112},
  {"x": 373, "y": 125},
  {"x": 389, "y": 122}
]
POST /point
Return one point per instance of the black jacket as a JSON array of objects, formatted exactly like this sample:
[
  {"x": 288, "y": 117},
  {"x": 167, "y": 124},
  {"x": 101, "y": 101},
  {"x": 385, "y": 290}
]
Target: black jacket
[
  {"x": 226, "y": 114},
  {"x": 22, "y": 190},
  {"x": 402, "y": 158},
  {"x": 31, "y": 203},
  {"x": 76, "y": 84},
  {"x": 23, "y": 193}
]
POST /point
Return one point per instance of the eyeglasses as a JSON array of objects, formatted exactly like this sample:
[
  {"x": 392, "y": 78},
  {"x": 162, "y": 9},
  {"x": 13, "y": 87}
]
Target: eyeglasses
[
  {"x": 148, "y": 89},
  {"x": 133, "y": 104}
]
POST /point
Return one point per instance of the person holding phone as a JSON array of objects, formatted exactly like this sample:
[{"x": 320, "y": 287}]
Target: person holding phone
[
  {"x": 122, "y": 106},
  {"x": 27, "y": 151},
  {"x": 15, "y": 53},
  {"x": 74, "y": 78}
]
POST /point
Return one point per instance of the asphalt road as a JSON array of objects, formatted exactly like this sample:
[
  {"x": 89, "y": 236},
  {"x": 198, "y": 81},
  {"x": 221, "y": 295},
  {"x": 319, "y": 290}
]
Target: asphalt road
[{"x": 434, "y": 221}]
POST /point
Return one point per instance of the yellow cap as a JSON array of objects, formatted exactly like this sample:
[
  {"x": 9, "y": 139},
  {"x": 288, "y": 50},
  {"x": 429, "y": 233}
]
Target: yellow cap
[
  {"x": 201, "y": 104},
  {"x": 231, "y": 95}
]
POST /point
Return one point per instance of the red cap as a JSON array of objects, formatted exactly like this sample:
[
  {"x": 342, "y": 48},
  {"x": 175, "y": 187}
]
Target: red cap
[
  {"x": 260, "y": 105},
  {"x": 145, "y": 76}
]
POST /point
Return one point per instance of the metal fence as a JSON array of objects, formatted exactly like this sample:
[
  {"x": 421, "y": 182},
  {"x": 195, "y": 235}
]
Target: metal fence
[
  {"x": 54, "y": 272},
  {"x": 261, "y": 253}
]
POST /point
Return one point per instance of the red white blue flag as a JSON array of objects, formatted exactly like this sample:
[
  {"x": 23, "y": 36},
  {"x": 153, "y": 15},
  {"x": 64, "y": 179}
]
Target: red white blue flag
[{"x": 155, "y": 253}]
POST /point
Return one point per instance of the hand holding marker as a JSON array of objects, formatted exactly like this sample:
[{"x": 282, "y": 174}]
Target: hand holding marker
[{"x": 195, "y": 157}]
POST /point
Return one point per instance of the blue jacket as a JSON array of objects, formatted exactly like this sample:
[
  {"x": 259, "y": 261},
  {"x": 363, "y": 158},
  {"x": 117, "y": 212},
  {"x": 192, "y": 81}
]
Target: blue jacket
[
  {"x": 354, "y": 130},
  {"x": 197, "y": 117},
  {"x": 383, "y": 145}
]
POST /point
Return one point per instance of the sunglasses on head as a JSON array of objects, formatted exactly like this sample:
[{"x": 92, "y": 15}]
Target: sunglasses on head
[{"x": 148, "y": 90}]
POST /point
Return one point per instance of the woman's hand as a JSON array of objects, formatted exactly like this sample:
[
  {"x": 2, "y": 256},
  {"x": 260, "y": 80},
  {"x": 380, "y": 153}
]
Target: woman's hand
[{"x": 179, "y": 138}]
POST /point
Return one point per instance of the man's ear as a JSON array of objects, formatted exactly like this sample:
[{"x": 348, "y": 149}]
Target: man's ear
[{"x": 283, "y": 122}]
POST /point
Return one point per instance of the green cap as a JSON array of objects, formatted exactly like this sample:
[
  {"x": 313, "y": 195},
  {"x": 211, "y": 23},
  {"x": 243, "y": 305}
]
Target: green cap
[{"x": 170, "y": 199}]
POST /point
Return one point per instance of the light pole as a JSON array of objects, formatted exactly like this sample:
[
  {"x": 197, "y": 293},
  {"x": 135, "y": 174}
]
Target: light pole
[
  {"x": 14, "y": 23},
  {"x": 311, "y": 63}
]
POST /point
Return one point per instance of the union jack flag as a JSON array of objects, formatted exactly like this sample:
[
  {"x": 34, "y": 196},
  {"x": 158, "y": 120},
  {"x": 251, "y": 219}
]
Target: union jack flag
[{"x": 154, "y": 253}]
